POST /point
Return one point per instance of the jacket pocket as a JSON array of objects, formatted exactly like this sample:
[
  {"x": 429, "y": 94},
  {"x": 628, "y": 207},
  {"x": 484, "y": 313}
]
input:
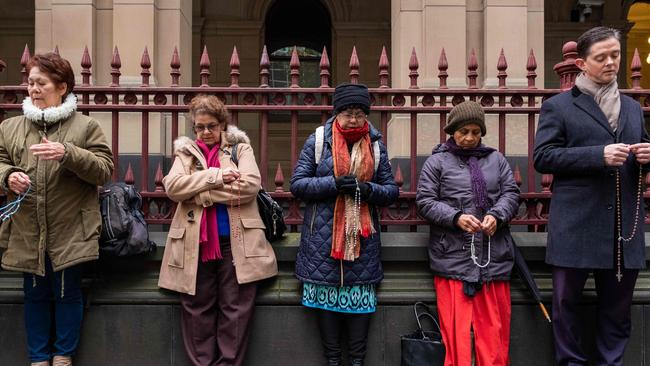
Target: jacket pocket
[
  {"x": 502, "y": 247},
  {"x": 91, "y": 224},
  {"x": 255, "y": 244},
  {"x": 451, "y": 244},
  {"x": 176, "y": 243}
]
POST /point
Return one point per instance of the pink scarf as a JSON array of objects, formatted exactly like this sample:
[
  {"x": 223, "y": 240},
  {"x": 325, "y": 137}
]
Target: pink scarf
[{"x": 209, "y": 236}]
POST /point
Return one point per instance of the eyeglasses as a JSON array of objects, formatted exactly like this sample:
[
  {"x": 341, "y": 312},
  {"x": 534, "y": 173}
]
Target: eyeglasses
[
  {"x": 357, "y": 115},
  {"x": 212, "y": 127}
]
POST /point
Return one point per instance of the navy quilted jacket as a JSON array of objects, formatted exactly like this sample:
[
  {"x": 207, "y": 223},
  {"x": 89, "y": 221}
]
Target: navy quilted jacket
[{"x": 314, "y": 184}]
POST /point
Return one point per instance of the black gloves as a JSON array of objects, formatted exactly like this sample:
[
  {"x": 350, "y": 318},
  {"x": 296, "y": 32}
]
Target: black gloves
[
  {"x": 366, "y": 190},
  {"x": 345, "y": 180},
  {"x": 347, "y": 184}
]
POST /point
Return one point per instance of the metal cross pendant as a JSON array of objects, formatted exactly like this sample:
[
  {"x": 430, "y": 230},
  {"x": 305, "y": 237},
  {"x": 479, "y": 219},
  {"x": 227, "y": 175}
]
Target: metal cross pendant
[{"x": 619, "y": 275}]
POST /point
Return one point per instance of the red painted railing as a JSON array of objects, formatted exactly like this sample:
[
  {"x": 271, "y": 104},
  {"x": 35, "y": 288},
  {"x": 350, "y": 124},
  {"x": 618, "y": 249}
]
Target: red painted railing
[{"x": 294, "y": 100}]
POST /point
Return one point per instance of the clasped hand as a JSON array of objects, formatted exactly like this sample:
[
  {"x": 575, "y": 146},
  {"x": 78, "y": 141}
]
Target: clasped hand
[
  {"x": 230, "y": 175},
  {"x": 472, "y": 225},
  {"x": 48, "y": 150},
  {"x": 347, "y": 184},
  {"x": 616, "y": 154}
]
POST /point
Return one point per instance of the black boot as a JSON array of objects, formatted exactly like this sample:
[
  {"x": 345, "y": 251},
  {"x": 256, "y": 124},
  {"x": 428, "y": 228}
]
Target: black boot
[
  {"x": 356, "y": 362},
  {"x": 336, "y": 361}
]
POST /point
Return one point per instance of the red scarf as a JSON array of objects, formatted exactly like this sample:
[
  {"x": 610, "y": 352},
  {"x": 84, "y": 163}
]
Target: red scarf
[
  {"x": 364, "y": 171},
  {"x": 209, "y": 234},
  {"x": 352, "y": 135}
]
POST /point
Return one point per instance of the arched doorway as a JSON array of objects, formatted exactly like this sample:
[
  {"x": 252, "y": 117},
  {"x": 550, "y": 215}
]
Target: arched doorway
[
  {"x": 639, "y": 38},
  {"x": 306, "y": 24}
]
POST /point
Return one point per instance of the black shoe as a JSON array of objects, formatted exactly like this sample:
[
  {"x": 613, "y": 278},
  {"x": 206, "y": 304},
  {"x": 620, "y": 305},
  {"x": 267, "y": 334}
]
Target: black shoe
[
  {"x": 334, "y": 361},
  {"x": 356, "y": 362}
]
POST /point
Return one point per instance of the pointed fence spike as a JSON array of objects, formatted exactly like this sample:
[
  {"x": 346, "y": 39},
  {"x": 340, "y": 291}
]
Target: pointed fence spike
[
  {"x": 116, "y": 64},
  {"x": 204, "y": 65},
  {"x": 294, "y": 65},
  {"x": 86, "y": 64},
  {"x": 472, "y": 65},
  {"x": 354, "y": 66},
  {"x": 24, "y": 59},
  {"x": 502, "y": 65},
  {"x": 517, "y": 175},
  {"x": 635, "y": 66},
  {"x": 234, "y": 68},
  {"x": 413, "y": 67},
  {"x": 175, "y": 64},
  {"x": 145, "y": 64},
  {"x": 547, "y": 180},
  {"x": 443, "y": 65},
  {"x": 158, "y": 179},
  {"x": 324, "y": 69},
  {"x": 531, "y": 66},
  {"x": 383, "y": 68},
  {"x": 279, "y": 179},
  {"x": 128, "y": 177},
  {"x": 265, "y": 64}
]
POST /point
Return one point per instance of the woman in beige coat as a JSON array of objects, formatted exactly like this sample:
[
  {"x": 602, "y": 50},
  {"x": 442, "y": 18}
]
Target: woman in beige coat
[{"x": 216, "y": 249}]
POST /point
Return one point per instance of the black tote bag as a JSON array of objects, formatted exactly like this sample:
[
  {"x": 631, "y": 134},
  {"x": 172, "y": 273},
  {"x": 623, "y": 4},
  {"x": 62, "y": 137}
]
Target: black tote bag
[{"x": 423, "y": 347}]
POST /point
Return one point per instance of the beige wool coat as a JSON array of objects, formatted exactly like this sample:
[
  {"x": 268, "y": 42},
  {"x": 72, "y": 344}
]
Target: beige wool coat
[{"x": 194, "y": 187}]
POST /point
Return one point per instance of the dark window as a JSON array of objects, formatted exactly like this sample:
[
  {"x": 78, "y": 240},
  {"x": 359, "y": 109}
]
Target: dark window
[{"x": 302, "y": 23}]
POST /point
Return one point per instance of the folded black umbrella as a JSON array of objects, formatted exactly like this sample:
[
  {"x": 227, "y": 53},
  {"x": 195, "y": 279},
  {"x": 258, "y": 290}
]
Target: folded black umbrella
[{"x": 527, "y": 277}]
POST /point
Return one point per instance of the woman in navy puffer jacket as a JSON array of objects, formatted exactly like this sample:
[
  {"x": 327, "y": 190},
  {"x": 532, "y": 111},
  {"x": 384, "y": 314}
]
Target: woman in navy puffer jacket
[{"x": 339, "y": 256}]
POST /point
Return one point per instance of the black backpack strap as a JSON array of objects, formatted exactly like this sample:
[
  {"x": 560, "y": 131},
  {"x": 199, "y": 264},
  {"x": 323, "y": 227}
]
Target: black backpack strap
[{"x": 233, "y": 154}]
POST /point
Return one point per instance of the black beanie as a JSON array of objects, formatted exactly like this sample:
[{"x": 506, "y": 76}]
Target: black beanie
[
  {"x": 463, "y": 114},
  {"x": 346, "y": 95}
]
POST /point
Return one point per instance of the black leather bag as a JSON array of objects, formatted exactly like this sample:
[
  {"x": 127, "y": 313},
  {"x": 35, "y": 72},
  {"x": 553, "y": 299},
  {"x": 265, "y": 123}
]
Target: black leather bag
[
  {"x": 270, "y": 210},
  {"x": 423, "y": 347}
]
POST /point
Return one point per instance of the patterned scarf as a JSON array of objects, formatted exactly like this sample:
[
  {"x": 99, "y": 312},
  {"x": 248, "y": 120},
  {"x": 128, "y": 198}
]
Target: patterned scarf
[
  {"x": 606, "y": 96},
  {"x": 350, "y": 219},
  {"x": 471, "y": 156},
  {"x": 209, "y": 234}
]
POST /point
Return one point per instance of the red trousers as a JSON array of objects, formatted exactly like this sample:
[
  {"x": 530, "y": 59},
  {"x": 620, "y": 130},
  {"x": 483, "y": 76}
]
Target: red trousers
[{"x": 487, "y": 313}]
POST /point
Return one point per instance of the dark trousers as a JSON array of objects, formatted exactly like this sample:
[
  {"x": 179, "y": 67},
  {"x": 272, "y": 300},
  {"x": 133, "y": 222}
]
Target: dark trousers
[
  {"x": 331, "y": 323},
  {"x": 216, "y": 321},
  {"x": 613, "y": 320},
  {"x": 63, "y": 290}
]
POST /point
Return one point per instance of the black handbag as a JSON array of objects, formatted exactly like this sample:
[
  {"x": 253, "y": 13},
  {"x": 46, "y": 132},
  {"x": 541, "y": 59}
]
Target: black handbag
[
  {"x": 423, "y": 347},
  {"x": 270, "y": 210}
]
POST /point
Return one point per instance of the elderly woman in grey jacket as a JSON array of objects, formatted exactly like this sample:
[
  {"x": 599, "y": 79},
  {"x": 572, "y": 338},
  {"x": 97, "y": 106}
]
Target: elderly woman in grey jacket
[{"x": 468, "y": 194}]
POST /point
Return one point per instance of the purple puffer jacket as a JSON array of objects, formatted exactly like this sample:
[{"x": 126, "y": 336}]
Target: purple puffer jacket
[{"x": 444, "y": 190}]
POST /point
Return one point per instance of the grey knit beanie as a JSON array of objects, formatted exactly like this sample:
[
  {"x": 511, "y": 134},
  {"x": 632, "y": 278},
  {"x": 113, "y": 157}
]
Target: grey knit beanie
[{"x": 463, "y": 114}]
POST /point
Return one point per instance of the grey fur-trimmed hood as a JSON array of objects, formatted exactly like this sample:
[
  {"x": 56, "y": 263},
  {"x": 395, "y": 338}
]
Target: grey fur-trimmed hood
[{"x": 231, "y": 136}]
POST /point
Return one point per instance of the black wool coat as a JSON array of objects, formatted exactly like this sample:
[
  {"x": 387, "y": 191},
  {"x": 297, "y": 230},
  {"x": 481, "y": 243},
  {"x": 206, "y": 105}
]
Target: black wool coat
[{"x": 570, "y": 141}]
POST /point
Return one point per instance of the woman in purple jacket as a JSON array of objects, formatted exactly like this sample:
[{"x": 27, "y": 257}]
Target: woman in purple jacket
[{"x": 468, "y": 194}]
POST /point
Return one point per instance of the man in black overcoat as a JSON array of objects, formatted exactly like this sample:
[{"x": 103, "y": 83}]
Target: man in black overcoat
[{"x": 592, "y": 139}]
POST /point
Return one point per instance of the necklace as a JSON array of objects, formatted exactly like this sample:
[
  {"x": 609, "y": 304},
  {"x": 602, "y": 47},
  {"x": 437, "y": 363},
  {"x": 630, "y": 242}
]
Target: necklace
[
  {"x": 352, "y": 229},
  {"x": 472, "y": 250},
  {"x": 619, "y": 222}
]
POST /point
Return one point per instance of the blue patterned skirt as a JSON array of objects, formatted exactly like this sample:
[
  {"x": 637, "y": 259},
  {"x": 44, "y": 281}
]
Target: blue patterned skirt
[{"x": 358, "y": 299}]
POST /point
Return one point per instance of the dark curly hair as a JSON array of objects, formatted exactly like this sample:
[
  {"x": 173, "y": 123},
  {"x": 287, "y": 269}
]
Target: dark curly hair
[{"x": 56, "y": 67}]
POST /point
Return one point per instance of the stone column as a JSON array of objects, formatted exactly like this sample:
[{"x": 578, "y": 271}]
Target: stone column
[
  {"x": 429, "y": 26},
  {"x": 69, "y": 25},
  {"x": 505, "y": 27}
]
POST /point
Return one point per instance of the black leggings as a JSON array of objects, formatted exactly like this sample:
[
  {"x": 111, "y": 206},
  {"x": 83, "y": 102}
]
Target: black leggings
[{"x": 330, "y": 324}]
